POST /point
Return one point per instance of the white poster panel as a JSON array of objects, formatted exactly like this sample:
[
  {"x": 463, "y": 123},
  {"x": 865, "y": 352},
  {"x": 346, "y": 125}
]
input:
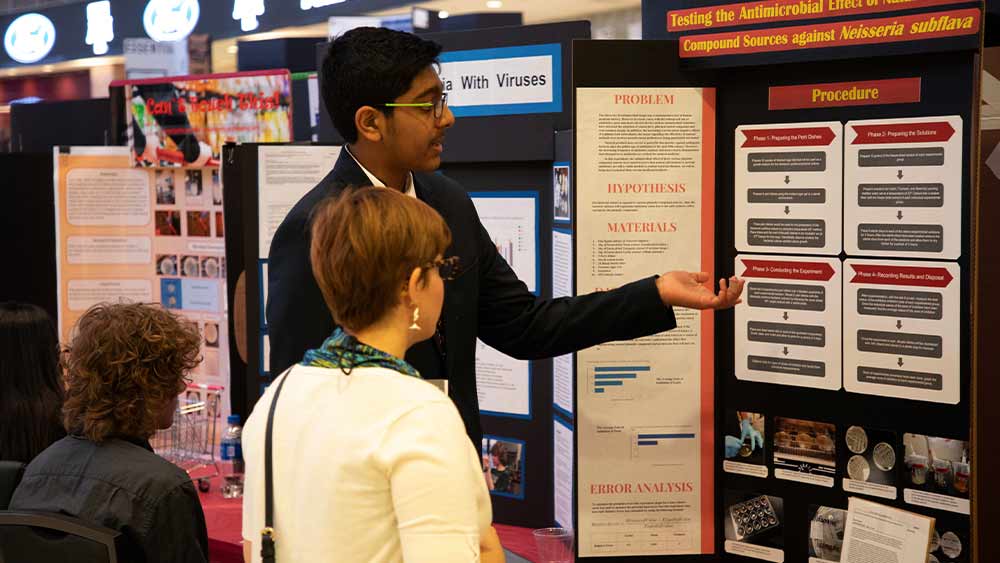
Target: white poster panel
[
  {"x": 502, "y": 383},
  {"x": 285, "y": 173},
  {"x": 903, "y": 187},
  {"x": 645, "y": 205},
  {"x": 562, "y": 472},
  {"x": 788, "y": 326},
  {"x": 511, "y": 219},
  {"x": 788, "y": 188},
  {"x": 902, "y": 329},
  {"x": 562, "y": 286}
]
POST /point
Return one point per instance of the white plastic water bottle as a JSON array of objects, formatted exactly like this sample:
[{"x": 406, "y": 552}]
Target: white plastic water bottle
[{"x": 232, "y": 459}]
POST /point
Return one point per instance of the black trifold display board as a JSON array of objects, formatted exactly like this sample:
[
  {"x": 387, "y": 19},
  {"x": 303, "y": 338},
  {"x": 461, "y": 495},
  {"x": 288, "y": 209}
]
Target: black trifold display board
[{"x": 949, "y": 83}]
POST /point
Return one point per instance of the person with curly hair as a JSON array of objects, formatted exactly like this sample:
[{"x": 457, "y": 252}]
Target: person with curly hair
[{"x": 125, "y": 367}]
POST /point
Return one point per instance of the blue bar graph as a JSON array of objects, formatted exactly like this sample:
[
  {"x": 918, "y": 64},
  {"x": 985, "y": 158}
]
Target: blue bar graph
[
  {"x": 662, "y": 442},
  {"x": 616, "y": 376},
  {"x": 663, "y": 436}
]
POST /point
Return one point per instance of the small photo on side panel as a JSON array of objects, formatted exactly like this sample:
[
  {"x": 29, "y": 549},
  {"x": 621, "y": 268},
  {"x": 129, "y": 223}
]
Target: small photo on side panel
[
  {"x": 826, "y": 533},
  {"x": 805, "y": 451},
  {"x": 744, "y": 444},
  {"x": 754, "y": 525}
]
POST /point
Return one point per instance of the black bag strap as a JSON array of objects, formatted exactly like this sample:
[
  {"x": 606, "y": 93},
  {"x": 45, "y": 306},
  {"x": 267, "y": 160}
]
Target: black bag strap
[{"x": 267, "y": 534}]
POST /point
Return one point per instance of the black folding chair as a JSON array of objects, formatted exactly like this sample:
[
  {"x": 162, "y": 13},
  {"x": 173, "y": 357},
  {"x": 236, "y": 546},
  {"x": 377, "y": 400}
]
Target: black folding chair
[
  {"x": 44, "y": 537},
  {"x": 10, "y": 476}
]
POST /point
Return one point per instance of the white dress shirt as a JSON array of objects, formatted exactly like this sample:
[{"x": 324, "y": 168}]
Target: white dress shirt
[{"x": 378, "y": 183}]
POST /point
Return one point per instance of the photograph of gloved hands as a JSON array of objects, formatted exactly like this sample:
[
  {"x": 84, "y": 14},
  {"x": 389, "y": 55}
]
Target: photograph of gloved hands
[{"x": 745, "y": 437}]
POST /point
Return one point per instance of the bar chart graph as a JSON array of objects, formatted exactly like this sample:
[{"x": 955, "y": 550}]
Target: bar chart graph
[
  {"x": 617, "y": 381},
  {"x": 661, "y": 442}
]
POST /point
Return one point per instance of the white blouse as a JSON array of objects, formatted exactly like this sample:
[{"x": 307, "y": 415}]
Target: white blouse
[{"x": 375, "y": 466}]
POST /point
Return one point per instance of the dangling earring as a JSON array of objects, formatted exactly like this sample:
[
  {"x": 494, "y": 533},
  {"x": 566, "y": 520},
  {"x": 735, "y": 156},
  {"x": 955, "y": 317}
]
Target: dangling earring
[{"x": 416, "y": 317}]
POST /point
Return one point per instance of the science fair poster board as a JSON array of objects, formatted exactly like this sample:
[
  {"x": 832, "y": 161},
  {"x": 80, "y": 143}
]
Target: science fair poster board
[
  {"x": 645, "y": 204},
  {"x": 142, "y": 235}
]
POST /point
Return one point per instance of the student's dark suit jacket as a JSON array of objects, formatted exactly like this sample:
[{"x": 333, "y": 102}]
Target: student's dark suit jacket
[{"x": 486, "y": 300}]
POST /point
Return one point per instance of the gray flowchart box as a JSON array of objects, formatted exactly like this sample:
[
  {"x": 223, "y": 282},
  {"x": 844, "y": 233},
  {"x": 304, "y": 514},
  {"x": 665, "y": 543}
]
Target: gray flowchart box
[
  {"x": 900, "y": 238},
  {"x": 903, "y": 304},
  {"x": 900, "y": 378},
  {"x": 901, "y": 195},
  {"x": 786, "y": 296},
  {"x": 802, "y": 233},
  {"x": 900, "y": 343},
  {"x": 786, "y": 365},
  {"x": 806, "y": 161},
  {"x": 910, "y": 156},
  {"x": 786, "y": 195},
  {"x": 786, "y": 333}
]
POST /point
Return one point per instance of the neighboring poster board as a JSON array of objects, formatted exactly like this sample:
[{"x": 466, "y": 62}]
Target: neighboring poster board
[
  {"x": 285, "y": 173},
  {"x": 146, "y": 236},
  {"x": 511, "y": 219}
]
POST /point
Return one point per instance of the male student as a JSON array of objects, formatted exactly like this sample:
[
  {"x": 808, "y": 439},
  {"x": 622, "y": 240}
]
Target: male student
[{"x": 382, "y": 90}]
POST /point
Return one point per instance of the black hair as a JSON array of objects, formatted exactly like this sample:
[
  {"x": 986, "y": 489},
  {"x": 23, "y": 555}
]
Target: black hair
[
  {"x": 370, "y": 66},
  {"x": 31, "y": 387}
]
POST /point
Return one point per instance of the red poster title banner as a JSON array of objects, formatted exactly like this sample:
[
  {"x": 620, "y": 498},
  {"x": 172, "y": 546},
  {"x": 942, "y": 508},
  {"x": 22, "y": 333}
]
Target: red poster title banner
[
  {"x": 930, "y": 132},
  {"x": 838, "y": 94},
  {"x": 787, "y": 270},
  {"x": 768, "y": 11},
  {"x": 901, "y": 275},
  {"x": 788, "y": 137},
  {"x": 919, "y": 27}
]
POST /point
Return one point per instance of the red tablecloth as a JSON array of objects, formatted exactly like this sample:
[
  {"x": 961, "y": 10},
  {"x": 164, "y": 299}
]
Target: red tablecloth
[{"x": 224, "y": 518}]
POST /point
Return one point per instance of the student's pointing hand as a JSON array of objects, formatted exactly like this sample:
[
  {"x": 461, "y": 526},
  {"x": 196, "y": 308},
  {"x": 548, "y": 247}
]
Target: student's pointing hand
[{"x": 688, "y": 289}]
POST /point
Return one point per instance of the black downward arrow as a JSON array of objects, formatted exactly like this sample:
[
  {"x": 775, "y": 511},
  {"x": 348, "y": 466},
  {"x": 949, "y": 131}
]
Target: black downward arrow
[
  {"x": 900, "y": 362},
  {"x": 785, "y": 351},
  {"x": 899, "y": 174},
  {"x": 899, "y": 324},
  {"x": 899, "y": 215},
  {"x": 787, "y": 180},
  {"x": 785, "y": 316},
  {"x": 787, "y": 211}
]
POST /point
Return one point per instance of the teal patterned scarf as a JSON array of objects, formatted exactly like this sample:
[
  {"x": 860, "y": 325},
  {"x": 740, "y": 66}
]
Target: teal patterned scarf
[{"x": 343, "y": 351}]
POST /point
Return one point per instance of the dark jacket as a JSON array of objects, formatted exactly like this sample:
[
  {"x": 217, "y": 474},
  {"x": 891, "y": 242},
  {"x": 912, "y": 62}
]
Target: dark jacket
[
  {"x": 120, "y": 484},
  {"x": 485, "y": 300}
]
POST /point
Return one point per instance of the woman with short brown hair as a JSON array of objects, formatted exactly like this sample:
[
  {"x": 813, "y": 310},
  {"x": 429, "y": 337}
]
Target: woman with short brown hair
[
  {"x": 125, "y": 366},
  {"x": 370, "y": 462}
]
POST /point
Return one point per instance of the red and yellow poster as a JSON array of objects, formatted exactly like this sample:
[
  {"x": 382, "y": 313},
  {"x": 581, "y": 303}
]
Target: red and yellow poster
[{"x": 184, "y": 121}]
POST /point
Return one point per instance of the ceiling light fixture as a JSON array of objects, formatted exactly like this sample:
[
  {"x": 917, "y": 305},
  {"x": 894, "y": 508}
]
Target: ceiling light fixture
[
  {"x": 443, "y": 15},
  {"x": 494, "y": 4}
]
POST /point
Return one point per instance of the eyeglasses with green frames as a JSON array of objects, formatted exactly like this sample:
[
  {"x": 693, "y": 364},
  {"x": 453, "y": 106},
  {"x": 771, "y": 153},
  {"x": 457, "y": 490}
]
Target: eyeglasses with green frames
[{"x": 437, "y": 106}]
